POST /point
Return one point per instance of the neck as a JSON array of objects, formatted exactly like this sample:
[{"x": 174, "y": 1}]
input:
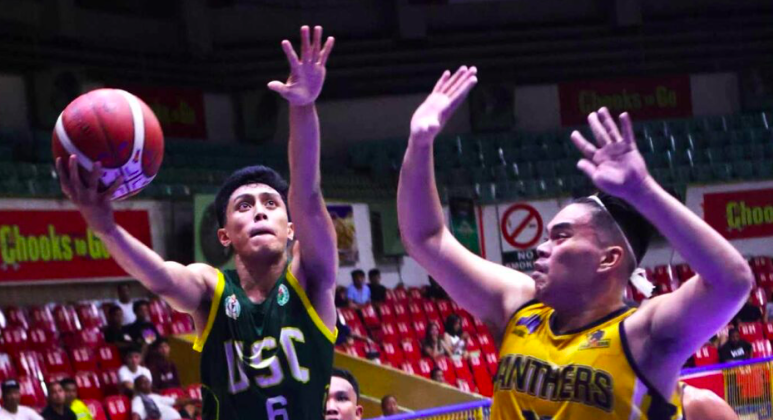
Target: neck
[
  {"x": 258, "y": 275},
  {"x": 59, "y": 408},
  {"x": 12, "y": 408},
  {"x": 584, "y": 310}
]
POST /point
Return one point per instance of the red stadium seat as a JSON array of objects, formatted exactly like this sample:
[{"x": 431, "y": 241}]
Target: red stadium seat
[
  {"x": 407, "y": 367},
  {"x": 444, "y": 308},
  {"x": 108, "y": 357},
  {"x": 455, "y": 306},
  {"x": 401, "y": 313},
  {"x": 110, "y": 382},
  {"x": 431, "y": 311},
  {"x": 466, "y": 385},
  {"x": 683, "y": 272},
  {"x": 57, "y": 361},
  {"x": 31, "y": 363},
  {"x": 41, "y": 339},
  {"x": 487, "y": 343},
  {"x": 83, "y": 358},
  {"x": 411, "y": 350},
  {"x": 369, "y": 316},
  {"x": 447, "y": 367},
  {"x": 416, "y": 311},
  {"x": 750, "y": 331},
  {"x": 480, "y": 326},
  {"x": 424, "y": 367},
  {"x": 7, "y": 369},
  {"x": 761, "y": 348},
  {"x": 467, "y": 325},
  {"x": 91, "y": 337},
  {"x": 90, "y": 316},
  {"x": 405, "y": 330},
  {"x": 88, "y": 385},
  {"x": 95, "y": 407},
  {"x": 14, "y": 339},
  {"x": 182, "y": 323},
  {"x": 706, "y": 356},
  {"x": 386, "y": 313},
  {"x": 353, "y": 350},
  {"x": 414, "y": 294},
  {"x": 177, "y": 393},
  {"x": 420, "y": 327},
  {"x": 472, "y": 345},
  {"x": 56, "y": 377},
  {"x": 392, "y": 353},
  {"x": 461, "y": 370},
  {"x": 388, "y": 333},
  {"x": 401, "y": 296},
  {"x": 759, "y": 297},
  {"x": 349, "y": 315},
  {"x": 40, "y": 315},
  {"x": 492, "y": 363},
  {"x": 482, "y": 376},
  {"x": 118, "y": 407},
  {"x": 32, "y": 394},
  {"x": 16, "y": 317},
  {"x": 358, "y": 329},
  {"x": 66, "y": 319},
  {"x": 3, "y": 320},
  {"x": 160, "y": 312},
  {"x": 193, "y": 391},
  {"x": 767, "y": 329},
  {"x": 163, "y": 329},
  {"x": 390, "y": 296}
]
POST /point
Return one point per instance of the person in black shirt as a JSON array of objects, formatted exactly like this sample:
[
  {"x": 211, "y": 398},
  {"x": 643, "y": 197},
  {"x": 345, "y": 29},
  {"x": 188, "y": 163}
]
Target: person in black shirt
[
  {"x": 115, "y": 332},
  {"x": 377, "y": 291},
  {"x": 161, "y": 366},
  {"x": 142, "y": 331},
  {"x": 57, "y": 409},
  {"x": 736, "y": 348},
  {"x": 749, "y": 313}
]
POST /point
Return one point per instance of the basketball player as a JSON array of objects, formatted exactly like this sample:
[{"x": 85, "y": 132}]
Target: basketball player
[
  {"x": 570, "y": 347},
  {"x": 702, "y": 404},
  {"x": 266, "y": 330}
]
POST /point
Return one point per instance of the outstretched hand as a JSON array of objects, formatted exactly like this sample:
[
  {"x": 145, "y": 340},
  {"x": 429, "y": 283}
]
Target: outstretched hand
[
  {"x": 436, "y": 110},
  {"x": 614, "y": 164},
  {"x": 94, "y": 205},
  {"x": 307, "y": 74}
]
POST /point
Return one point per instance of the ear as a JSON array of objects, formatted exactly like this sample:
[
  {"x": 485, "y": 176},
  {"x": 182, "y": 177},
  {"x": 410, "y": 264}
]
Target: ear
[
  {"x": 290, "y": 231},
  {"x": 358, "y": 412},
  {"x": 222, "y": 236},
  {"x": 612, "y": 258}
]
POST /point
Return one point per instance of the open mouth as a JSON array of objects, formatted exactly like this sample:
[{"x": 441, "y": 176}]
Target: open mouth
[{"x": 259, "y": 231}]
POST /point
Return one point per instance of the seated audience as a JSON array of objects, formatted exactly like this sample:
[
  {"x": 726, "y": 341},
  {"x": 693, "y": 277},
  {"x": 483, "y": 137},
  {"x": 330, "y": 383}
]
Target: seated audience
[
  {"x": 57, "y": 408},
  {"x": 437, "y": 375},
  {"x": 432, "y": 345},
  {"x": 389, "y": 406},
  {"x": 12, "y": 408},
  {"x": 377, "y": 290},
  {"x": 147, "y": 405},
  {"x": 77, "y": 406},
  {"x": 454, "y": 339},
  {"x": 749, "y": 312},
  {"x": 115, "y": 333},
  {"x": 125, "y": 302},
  {"x": 358, "y": 292},
  {"x": 161, "y": 366},
  {"x": 132, "y": 369},
  {"x": 736, "y": 348},
  {"x": 142, "y": 331}
]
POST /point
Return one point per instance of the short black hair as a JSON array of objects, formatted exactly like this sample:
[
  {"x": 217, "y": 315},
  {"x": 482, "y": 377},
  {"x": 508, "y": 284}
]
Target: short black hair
[
  {"x": 257, "y": 174},
  {"x": 450, "y": 321},
  {"x": 732, "y": 330},
  {"x": 635, "y": 227},
  {"x": 385, "y": 398},
  {"x": 132, "y": 349},
  {"x": 139, "y": 303},
  {"x": 347, "y": 376},
  {"x": 358, "y": 273},
  {"x": 113, "y": 309},
  {"x": 375, "y": 272},
  {"x": 67, "y": 381}
]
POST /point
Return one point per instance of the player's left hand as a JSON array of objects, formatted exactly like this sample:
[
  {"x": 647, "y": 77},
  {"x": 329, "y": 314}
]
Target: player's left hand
[
  {"x": 614, "y": 164},
  {"x": 307, "y": 74}
]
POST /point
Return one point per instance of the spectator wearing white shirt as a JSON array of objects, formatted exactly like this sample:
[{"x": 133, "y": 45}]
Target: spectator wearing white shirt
[
  {"x": 358, "y": 292},
  {"x": 126, "y": 304},
  {"x": 149, "y": 406},
  {"x": 131, "y": 370},
  {"x": 12, "y": 409}
]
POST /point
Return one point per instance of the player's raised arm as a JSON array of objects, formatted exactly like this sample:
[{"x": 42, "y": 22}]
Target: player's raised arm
[
  {"x": 663, "y": 333},
  {"x": 488, "y": 290},
  {"x": 184, "y": 287},
  {"x": 312, "y": 225}
]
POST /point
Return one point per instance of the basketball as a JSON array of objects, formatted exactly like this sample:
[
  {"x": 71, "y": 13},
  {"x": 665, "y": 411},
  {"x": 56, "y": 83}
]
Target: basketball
[{"x": 115, "y": 128}]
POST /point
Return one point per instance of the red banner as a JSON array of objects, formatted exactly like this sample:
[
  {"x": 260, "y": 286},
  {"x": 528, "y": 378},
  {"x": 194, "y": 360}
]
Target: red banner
[
  {"x": 58, "y": 245},
  {"x": 740, "y": 214},
  {"x": 643, "y": 98},
  {"x": 180, "y": 111}
]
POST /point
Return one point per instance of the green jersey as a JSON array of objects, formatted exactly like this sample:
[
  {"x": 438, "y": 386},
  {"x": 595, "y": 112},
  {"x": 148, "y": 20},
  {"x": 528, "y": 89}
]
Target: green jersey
[{"x": 266, "y": 361}]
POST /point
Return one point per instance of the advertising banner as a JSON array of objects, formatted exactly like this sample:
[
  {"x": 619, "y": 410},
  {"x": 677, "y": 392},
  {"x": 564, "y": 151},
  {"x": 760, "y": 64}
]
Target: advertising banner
[
  {"x": 522, "y": 228},
  {"x": 180, "y": 111}
]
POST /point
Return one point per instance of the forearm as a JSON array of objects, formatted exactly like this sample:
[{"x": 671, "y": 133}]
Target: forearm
[
  {"x": 420, "y": 213},
  {"x": 303, "y": 154},
  {"x": 708, "y": 253},
  {"x": 136, "y": 258}
]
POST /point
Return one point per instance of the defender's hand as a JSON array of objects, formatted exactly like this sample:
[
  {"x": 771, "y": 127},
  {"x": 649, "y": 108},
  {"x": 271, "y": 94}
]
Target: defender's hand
[
  {"x": 307, "y": 75},
  {"x": 440, "y": 105}
]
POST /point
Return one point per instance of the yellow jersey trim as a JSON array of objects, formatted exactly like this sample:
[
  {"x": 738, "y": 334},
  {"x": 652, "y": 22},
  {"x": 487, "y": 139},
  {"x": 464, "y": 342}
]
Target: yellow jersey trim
[
  {"x": 198, "y": 345},
  {"x": 330, "y": 335}
]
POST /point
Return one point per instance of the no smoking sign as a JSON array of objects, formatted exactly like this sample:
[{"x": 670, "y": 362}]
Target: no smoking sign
[{"x": 521, "y": 226}]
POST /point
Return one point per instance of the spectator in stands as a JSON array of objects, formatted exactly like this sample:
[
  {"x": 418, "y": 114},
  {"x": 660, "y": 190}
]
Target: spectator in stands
[
  {"x": 358, "y": 292},
  {"x": 131, "y": 370},
  {"x": 769, "y": 309},
  {"x": 343, "y": 397},
  {"x": 77, "y": 406},
  {"x": 12, "y": 409},
  {"x": 389, "y": 406},
  {"x": 125, "y": 303},
  {"x": 454, "y": 339},
  {"x": 142, "y": 331},
  {"x": 736, "y": 348},
  {"x": 114, "y": 332},
  {"x": 749, "y": 312},
  {"x": 161, "y": 366},
  {"x": 437, "y": 375},
  {"x": 435, "y": 291},
  {"x": 147, "y": 405},
  {"x": 377, "y": 290},
  {"x": 341, "y": 301},
  {"x": 57, "y": 408},
  {"x": 432, "y": 346}
]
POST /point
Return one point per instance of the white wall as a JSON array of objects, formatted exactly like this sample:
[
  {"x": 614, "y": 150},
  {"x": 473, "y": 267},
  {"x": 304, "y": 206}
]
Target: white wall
[{"x": 13, "y": 106}]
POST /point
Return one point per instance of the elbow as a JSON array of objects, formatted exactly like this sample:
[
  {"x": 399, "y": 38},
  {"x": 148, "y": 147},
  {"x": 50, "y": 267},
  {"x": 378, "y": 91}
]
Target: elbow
[{"x": 740, "y": 280}]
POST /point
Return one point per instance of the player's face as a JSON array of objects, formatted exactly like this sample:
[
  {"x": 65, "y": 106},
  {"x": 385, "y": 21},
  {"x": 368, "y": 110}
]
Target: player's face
[
  {"x": 568, "y": 260},
  {"x": 342, "y": 401},
  {"x": 256, "y": 221}
]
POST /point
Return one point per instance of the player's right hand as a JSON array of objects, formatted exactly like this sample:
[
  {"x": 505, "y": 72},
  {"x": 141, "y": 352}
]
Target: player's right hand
[
  {"x": 437, "y": 109},
  {"x": 95, "y": 206}
]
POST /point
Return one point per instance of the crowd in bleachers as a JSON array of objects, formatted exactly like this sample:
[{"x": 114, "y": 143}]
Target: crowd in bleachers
[{"x": 101, "y": 349}]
